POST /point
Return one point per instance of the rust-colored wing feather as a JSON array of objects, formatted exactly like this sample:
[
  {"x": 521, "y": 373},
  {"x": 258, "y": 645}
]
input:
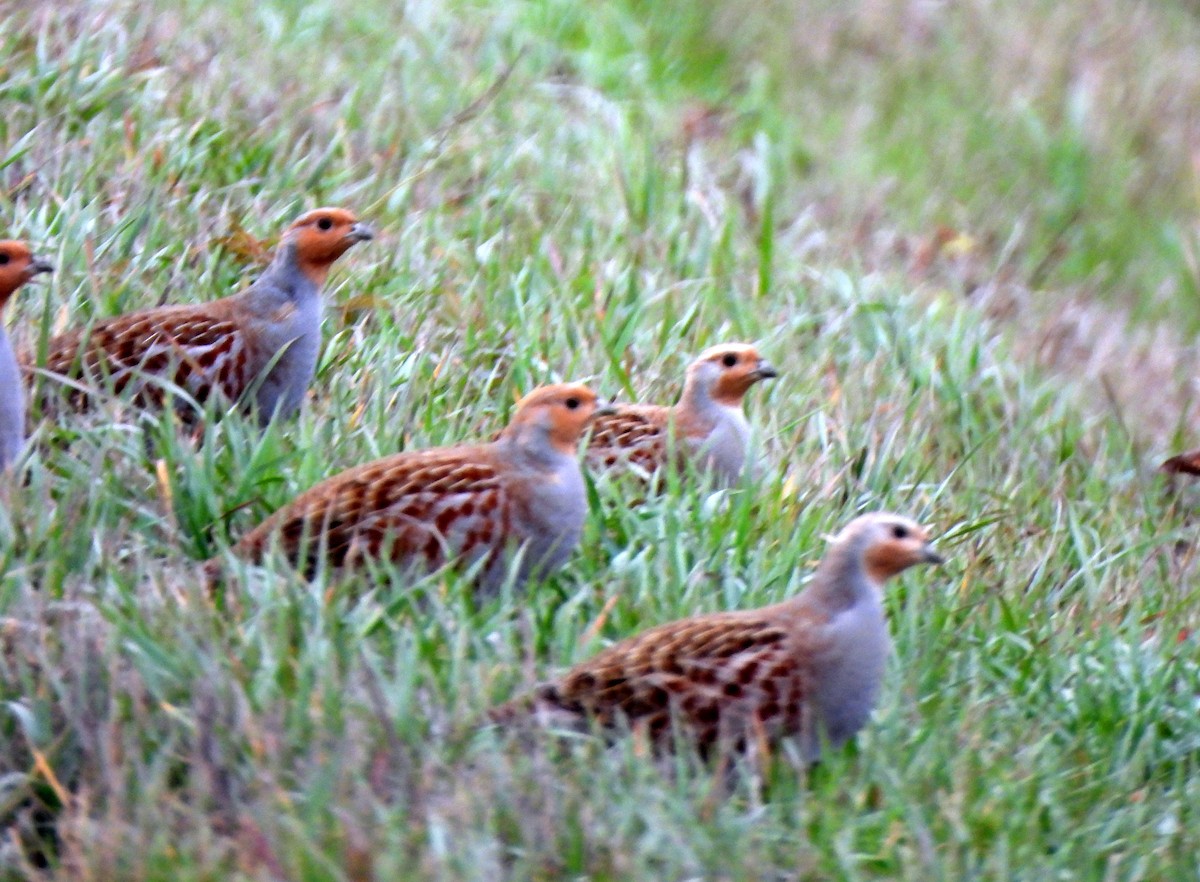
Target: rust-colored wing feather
[
  {"x": 720, "y": 676},
  {"x": 197, "y": 347},
  {"x": 419, "y": 507},
  {"x": 636, "y": 435}
]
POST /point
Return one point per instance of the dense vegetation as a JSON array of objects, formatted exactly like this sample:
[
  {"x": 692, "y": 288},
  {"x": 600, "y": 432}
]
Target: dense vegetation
[{"x": 897, "y": 201}]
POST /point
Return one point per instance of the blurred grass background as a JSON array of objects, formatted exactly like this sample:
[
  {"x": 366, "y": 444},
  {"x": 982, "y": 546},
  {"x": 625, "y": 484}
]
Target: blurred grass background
[{"x": 964, "y": 232}]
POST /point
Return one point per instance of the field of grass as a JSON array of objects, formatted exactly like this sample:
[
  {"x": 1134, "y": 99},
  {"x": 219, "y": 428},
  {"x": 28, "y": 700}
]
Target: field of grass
[{"x": 570, "y": 190}]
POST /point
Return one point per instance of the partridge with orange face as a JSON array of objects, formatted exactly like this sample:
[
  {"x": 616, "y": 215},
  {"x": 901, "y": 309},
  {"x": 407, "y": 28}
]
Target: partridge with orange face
[
  {"x": 17, "y": 266},
  {"x": 266, "y": 338},
  {"x": 521, "y": 495},
  {"x": 706, "y": 427},
  {"x": 809, "y": 668}
]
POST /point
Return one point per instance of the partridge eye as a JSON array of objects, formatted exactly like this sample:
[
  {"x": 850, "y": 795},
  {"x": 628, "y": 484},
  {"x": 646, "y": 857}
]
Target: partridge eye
[
  {"x": 729, "y": 360},
  {"x": 3, "y": 258},
  {"x": 325, "y": 223},
  {"x": 572, "y": 403},
  {"x": 900, "y": 532}
]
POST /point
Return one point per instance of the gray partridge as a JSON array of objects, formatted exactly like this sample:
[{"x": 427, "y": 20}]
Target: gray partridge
[
  {"x": 1183, "y": 464},
  {"x": 521, "y": 494},
  {"x": 808, "y": 668},
  {"x": 265, "y": 339},
  {"x": 17, "y": 266},
  {"x": 706, "y": 427}
]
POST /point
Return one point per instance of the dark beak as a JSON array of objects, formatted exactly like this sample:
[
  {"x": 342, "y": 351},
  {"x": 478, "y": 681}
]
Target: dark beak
[
  {"x": 930, "y": 556},
  {"x": 361, "y": 232},
  {"x": 40, "y": 265},
  {"x": 764, "y": 370}
]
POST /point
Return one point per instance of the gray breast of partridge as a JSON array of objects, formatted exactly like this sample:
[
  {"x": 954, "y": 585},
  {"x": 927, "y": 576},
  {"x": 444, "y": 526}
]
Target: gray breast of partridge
[{"x": 12, "y": 403}]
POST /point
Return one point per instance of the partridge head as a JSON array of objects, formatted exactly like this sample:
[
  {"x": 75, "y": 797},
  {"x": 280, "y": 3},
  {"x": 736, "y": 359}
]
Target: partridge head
[
  {"x": 809, "y": 668},
  {"x": 519, "y": 498},
  {"x": 18, "y": 265},
  {"x": 707, "y": 426},
  {"x": 260, "y": 345}
]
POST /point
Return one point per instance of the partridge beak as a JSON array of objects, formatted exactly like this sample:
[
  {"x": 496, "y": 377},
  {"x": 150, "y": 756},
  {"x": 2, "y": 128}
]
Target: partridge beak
[
  {"x": 40, "y": 265},
  {"x": 764, "y": 370},
  {"x": 361, "y": 232},
  {"x": 930, "y": 556}
]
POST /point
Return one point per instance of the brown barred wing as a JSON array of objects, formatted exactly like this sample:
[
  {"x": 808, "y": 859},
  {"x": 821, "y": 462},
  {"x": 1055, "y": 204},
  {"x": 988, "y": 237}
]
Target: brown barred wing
[
  {"x": 637, "y": 436},
  {"x": 724, "y": 677},
  {"x": 193, "y": 347},
  {"x": 423, "y": 508}
]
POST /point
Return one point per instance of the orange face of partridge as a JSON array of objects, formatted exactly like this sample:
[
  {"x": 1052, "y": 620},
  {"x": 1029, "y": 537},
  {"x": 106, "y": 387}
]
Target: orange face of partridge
[
  {"x": 564, "y": 410},
  {"x": 740, "y": 368},
  {"x": 322, "y": 236},
  {"x": 898, "y": 545},
  {"x": 17, "y": 266}
]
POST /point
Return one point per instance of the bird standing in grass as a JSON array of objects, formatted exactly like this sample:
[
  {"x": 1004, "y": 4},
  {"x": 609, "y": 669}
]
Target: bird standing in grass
[
  {"x": 808, "y": 668},
  {"x": 707, "y": 427},
  {"x": 522, "y": 494},
  {"x": 17, "y": 266},
  {"x": 265, "y": 339}
]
